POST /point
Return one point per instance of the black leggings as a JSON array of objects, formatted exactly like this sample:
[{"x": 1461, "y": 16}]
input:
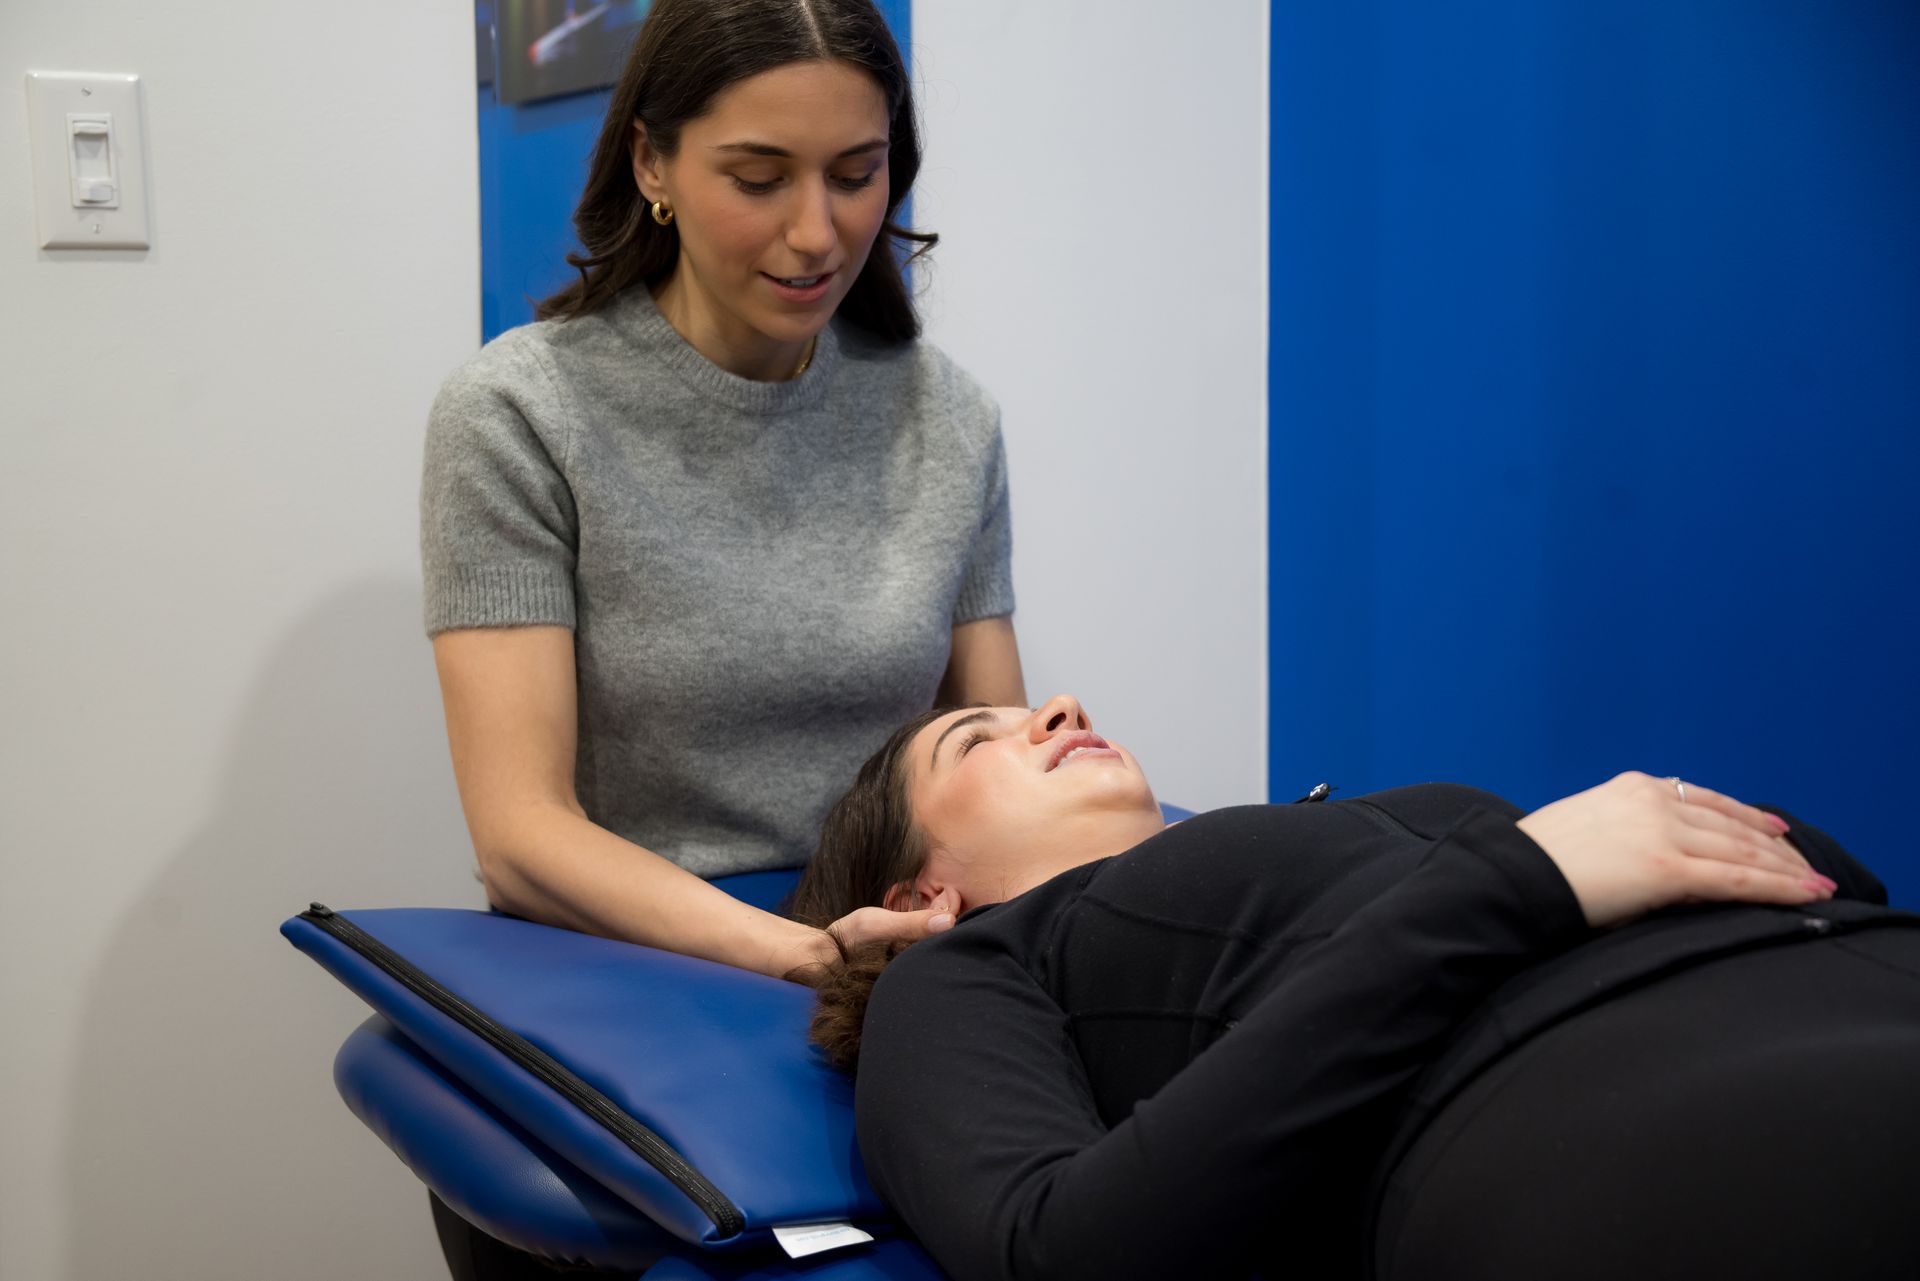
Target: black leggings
[{"x": 1756, "y": 1116}]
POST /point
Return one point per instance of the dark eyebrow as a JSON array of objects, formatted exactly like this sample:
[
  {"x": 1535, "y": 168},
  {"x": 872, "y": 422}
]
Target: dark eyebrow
[
  {"x": 768, "y": 149},
  {"x": 984, "y": 714}
]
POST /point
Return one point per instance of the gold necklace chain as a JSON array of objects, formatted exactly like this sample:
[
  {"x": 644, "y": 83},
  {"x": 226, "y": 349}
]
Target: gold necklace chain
[{"x": 808, "y": 358}]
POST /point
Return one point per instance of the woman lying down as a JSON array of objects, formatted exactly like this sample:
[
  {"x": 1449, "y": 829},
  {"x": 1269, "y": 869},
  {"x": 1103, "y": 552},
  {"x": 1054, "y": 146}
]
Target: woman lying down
[{"x": 1644, "y": 1031}]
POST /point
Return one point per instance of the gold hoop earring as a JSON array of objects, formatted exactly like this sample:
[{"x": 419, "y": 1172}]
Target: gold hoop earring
[{"x": 662, "y": 214}]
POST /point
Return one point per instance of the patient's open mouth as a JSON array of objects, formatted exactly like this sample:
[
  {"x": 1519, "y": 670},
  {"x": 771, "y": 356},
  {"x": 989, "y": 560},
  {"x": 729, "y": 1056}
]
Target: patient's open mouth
[{"x": 1069, "y": 747}]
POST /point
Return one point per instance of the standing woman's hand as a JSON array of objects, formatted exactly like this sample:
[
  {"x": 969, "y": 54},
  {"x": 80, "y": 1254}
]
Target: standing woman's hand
[
  {"x": 864, "y": 926},
  {"x": 883, "y": 924},
  {"x": 1638, "y": 843}
]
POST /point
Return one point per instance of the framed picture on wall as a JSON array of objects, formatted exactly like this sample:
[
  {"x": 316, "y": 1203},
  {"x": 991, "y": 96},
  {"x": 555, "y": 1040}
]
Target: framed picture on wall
[{"x": 546, "y": 48}]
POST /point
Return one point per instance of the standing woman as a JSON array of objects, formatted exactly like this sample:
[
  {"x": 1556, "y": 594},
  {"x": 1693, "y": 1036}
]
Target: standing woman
[
  {"x": 696, "y": 541},
  {"x": 699, "y": 538}
]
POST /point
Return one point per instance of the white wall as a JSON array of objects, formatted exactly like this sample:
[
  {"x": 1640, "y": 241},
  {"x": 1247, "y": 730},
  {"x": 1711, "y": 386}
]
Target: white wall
[
  {"x": 215, "y": 700},
  {"x": 1097, "y": 171}
]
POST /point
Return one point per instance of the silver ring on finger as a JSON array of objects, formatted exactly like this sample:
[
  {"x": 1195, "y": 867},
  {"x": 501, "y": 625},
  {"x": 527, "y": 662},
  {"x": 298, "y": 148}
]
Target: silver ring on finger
[{"x": 1679, "y": 788}]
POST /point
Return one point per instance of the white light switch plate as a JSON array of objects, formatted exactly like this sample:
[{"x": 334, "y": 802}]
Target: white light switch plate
[{"x": 76, "y": 207}]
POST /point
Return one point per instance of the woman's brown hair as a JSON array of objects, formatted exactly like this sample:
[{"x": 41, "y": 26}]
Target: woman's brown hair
[
  {"x": 868, "y": 844},
  {"x": 686, "y": 53}
]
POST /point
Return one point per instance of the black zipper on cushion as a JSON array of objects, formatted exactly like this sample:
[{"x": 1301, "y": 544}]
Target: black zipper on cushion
[{"x": 650, "y": 1147}]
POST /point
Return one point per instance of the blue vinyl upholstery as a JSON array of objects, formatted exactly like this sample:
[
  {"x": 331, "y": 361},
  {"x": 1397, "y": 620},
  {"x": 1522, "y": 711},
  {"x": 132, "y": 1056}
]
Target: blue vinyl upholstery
[
  {"x": 486, "y": 1167},
  {"x": 493, "y": 1173},
  {"x": 712, "y": 1059}
]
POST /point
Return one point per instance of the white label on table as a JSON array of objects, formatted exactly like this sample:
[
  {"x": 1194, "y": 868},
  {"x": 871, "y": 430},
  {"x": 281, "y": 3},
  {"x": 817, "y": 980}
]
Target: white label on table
[{"x": 811, "y": 1238}]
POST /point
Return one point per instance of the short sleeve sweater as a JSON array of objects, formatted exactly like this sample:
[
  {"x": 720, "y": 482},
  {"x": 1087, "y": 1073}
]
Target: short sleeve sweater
[{"x": 761, "y": 578}]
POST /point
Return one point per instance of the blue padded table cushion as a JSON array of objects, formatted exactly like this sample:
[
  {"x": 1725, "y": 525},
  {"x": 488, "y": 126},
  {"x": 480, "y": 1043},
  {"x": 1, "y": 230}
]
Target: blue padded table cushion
[
  {"x": 489, "y": 1170},
  {"x": 765, "y": 890},
  {"x": 497, "y": 1176},
  {"x": 749, "y": 1126}
]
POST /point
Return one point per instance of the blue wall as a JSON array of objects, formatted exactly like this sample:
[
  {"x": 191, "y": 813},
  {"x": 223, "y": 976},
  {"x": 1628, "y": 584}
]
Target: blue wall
[
  {"x": 533, "y": 163},
  {"x": 1594, "y": 384}
]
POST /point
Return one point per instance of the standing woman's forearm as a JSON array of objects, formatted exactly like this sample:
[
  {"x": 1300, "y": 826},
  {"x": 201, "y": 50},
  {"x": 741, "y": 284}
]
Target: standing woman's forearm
[
  {"x": 553, "y": 865},
  {"x": 983, "y": 667},
  {"x": 512, "y": 727}
]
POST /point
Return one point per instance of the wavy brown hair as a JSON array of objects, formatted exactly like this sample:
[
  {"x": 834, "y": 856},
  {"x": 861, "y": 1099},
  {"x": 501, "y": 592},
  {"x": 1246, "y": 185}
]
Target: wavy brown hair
[
  {"x": 868, "y": 844},
  {"x": 687, "y": 51}
]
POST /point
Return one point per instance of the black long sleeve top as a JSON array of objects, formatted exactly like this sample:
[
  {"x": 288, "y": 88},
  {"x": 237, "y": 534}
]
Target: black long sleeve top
[{"x": 1187, "y": 1059}]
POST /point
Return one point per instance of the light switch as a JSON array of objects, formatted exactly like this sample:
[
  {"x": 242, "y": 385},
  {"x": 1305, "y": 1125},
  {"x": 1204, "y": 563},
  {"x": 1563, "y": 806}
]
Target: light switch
[{"x": 89, "y": 160}]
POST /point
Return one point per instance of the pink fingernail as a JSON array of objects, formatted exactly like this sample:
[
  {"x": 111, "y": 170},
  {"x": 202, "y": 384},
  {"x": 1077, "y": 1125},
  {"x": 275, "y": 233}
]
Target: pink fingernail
[
  {"x": 1818, "y": 885},
  {"x": 1827, "y": 881},
  {"x": 940, "y": 922},
  {"x": 1780, "y": 823}
]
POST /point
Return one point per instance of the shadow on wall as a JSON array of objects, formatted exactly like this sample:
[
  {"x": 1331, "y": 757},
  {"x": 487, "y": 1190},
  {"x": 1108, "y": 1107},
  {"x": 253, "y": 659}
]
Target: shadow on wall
[{"x": 206, "y": 1138}]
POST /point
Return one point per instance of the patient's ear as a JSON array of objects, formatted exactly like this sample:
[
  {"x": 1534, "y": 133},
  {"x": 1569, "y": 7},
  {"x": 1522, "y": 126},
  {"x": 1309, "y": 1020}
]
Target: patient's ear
[{"x": 917, "y": 896}]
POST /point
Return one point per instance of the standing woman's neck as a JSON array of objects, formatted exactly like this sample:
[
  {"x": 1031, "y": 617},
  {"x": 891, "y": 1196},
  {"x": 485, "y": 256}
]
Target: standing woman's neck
[{"x": 723, "y": 338}]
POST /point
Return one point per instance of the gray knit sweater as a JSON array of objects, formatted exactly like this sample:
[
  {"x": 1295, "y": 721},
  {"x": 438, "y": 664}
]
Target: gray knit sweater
[{"x": 761, "y": 577}]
